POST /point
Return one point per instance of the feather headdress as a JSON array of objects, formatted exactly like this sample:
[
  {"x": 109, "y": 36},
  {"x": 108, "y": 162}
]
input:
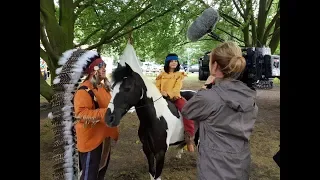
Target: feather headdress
[{"x": 73, "y": 65}]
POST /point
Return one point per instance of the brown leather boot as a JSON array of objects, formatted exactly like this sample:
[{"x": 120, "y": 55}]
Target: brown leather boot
[{"x": 189, "y": 141}]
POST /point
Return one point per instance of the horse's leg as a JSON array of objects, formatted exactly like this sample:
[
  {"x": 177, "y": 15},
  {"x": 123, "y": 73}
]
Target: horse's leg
[
  {"x": 196, "y": 137},
  {"x": 150, "y": 157},
  {"x": 160, "y": 156},
  {"x": 180, "y": 151}
]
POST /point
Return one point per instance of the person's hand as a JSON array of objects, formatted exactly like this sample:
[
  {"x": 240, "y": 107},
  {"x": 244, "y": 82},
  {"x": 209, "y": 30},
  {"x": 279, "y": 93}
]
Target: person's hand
[
  {"x": 210, "y": 79},
  {"x": 164, "y": 93}
]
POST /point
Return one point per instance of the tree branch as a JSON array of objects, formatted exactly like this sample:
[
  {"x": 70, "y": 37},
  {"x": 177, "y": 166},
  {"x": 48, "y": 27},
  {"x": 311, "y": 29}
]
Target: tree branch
[
  {"x": 77, "y": 3},
  {"x": 44, "y": 55},
  {"x": 270, "y": 25},
  {"x": 95, "y": 32},
  {"x": 274, "y": 42},
  {"x": 262, "y": 18},
  {"x": 230, "y": 19},
  {"x": 82, "y": 8},
  {"x": 54, "y": 32},
  {"x": 143, "y": 24},
  {"x": 150, "y": 20},
  {"x": 241, "y": 4},
  {"x": 107, "y": 36},
  {"x": 203, "y": 3},
  {"x": 274, "y": 32},
  {"x": 46, "y": 43},
  {"x": 88, "y": 37},
  {"x": 184, "y": 43},
  {"x": 238, "y": 9},
  {"x": 269, "y": 4},
  {"x": 230, "y": 35}
]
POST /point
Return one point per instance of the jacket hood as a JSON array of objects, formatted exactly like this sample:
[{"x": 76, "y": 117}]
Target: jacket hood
[{"x": 236, "y": 94}]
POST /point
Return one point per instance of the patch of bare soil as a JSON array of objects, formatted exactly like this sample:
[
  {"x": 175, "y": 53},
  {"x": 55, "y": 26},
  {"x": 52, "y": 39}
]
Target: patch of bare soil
[{"x": 128, "y": 161}]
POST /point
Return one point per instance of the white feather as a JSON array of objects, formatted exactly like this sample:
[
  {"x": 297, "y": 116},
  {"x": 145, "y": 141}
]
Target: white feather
[
  {"x": 69, "y": 175},
  {"x": 50, "y": 115},
  {"x": 67, "y": 108},
  {"x": 58, "y": 70},
  {"x": 65, "y": 56},
  {"x": 56, "y": 80}
]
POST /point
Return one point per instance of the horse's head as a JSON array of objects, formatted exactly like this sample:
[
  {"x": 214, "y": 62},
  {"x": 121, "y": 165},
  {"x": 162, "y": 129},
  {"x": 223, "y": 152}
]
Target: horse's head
[{"x": 128, "y": 90}]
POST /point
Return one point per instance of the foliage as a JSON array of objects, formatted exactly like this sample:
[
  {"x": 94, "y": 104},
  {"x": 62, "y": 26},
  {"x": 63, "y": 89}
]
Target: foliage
[{"x": 155, "y": 27}]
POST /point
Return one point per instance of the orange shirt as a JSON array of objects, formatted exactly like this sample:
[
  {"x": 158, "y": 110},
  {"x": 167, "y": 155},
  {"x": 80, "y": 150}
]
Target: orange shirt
[
  {"x": 90, "y": 137},
  {"x": 171, "y": 83}
]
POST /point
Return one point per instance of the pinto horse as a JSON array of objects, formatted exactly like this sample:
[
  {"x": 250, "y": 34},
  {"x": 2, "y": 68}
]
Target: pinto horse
[{"x": 161, "y": 123}]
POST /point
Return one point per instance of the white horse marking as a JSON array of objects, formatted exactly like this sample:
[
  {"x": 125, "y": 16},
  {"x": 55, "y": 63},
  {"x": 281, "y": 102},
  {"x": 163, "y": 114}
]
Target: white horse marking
[
  {"x": 114, "y": 92},
  {"x": 142, "y": 93},
  {"x": 151, "y": 177}
]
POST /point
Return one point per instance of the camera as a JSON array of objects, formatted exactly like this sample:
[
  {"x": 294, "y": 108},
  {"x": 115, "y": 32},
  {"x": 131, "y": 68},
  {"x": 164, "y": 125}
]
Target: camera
[{"x": 260, "y": 67}]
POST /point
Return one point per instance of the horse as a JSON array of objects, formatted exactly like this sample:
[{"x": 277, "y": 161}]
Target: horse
[{"x": 161, "y": 123}]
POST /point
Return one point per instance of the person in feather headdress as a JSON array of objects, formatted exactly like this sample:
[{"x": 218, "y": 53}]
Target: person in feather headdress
[
  {"x": 81, "y": 136},
  {"x": 93, "y": 135}
]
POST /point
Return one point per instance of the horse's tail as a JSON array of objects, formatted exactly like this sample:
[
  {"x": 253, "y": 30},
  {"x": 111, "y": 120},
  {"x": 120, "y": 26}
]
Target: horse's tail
[{"x": 73, "y": 63}]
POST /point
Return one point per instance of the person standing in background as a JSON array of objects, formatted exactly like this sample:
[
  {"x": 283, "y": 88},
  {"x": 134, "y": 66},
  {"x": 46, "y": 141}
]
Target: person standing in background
[{"x": 43, "y": 68}]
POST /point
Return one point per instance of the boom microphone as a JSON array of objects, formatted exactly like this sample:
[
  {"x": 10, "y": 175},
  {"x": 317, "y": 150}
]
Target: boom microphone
[{"x": 204, "y": 25}]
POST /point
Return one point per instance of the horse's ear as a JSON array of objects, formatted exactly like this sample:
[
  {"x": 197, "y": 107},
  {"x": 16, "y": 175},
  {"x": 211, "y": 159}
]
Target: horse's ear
[
  {"x": 129, "y": 70},
  {"x": 119, "y": 65}
]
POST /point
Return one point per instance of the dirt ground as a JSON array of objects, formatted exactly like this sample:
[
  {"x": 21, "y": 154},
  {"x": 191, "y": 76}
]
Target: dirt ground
[{"x": 128, "y": 161}]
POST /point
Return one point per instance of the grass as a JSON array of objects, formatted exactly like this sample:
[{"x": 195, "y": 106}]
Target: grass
[
  {"x": 276, "y": 81},
  {"x": 128, "y": 162},
  {"x": 46, "y": 140}
]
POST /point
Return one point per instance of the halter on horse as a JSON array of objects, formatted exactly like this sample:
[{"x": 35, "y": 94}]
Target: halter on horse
[{"x": 160, "y": 122}]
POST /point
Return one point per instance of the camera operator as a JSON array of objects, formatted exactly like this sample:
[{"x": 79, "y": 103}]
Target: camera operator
[{"x": 226, "y": 114}]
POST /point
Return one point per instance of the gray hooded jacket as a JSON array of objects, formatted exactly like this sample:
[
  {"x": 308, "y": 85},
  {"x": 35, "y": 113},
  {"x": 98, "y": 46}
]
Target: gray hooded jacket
[{"x": 226, "y": 115}]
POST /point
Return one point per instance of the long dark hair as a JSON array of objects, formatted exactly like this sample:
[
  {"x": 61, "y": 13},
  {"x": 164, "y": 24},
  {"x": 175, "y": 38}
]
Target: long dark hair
[{"x": 166, "y": 64}]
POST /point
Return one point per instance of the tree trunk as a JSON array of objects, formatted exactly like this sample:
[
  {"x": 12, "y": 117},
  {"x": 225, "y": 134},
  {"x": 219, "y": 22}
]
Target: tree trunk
[
  {"x": 56, "y": 36},
  {"x": 262, "y": 19},
  {"x": 275, "y": 40},
  {"x": 45, "y": 89}
]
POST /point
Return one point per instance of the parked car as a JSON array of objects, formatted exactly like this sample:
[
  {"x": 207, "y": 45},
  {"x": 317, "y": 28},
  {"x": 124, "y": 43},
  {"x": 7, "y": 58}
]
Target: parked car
[{"x": 194, "y": 68}]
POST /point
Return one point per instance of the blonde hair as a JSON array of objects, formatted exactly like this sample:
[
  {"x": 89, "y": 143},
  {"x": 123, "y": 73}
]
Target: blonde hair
[{"x": 228, "y": 56}]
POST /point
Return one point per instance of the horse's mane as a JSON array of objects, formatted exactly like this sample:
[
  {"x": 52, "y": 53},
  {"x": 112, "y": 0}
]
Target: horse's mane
[
  {"x": 119, "y": 73},
  {"x": 124, "y": 71}
]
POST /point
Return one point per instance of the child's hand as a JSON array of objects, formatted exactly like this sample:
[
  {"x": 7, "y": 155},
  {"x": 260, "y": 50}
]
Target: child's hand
[{"x": 164, "y": 93}]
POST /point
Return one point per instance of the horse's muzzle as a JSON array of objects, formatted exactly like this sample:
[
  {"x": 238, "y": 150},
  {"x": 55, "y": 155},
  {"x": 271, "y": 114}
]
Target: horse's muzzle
[{"x": 110, "y": 119}]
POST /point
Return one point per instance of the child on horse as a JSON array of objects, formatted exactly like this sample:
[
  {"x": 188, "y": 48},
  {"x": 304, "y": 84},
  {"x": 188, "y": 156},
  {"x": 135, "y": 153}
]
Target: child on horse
[{"x": 169, "y": 83}]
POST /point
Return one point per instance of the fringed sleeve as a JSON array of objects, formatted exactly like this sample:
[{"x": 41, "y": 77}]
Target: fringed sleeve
[{"x": 84, "y": 107}]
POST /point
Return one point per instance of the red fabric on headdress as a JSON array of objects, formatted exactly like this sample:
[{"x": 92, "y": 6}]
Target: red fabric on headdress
[{"x": 93, "y": 64}]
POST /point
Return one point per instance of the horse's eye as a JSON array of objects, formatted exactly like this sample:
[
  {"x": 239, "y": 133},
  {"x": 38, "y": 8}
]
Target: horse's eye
[{"x": 126, "y": 89}]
